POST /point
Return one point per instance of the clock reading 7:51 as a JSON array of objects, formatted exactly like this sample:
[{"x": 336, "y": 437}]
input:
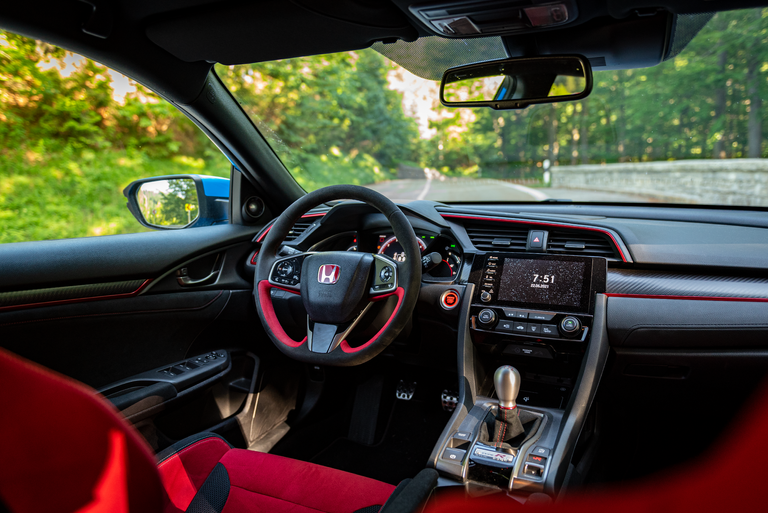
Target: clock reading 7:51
[{"x": 544, "y": 278}]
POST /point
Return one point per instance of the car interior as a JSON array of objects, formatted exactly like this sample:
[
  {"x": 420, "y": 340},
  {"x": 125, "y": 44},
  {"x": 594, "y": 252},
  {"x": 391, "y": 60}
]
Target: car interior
[{"x": 335, "y": 350}]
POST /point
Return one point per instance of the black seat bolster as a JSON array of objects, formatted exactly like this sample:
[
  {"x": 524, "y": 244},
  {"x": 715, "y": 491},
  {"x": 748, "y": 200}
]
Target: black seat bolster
[{"x": 411, "y": 495}]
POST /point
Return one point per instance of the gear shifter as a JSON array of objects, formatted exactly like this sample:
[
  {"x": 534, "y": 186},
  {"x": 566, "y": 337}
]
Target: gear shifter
[
  {"x": 507, "y": 425},
  {"x": 507, "y": 383}
]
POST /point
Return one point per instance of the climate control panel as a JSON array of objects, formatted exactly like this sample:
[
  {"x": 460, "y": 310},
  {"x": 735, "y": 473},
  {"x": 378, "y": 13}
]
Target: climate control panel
[{"x": 531, "y": 323}]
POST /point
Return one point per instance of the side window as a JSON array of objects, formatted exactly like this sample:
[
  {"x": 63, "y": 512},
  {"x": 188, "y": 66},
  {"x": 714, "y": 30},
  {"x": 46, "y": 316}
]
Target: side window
[{"x": 74, "y": 134}]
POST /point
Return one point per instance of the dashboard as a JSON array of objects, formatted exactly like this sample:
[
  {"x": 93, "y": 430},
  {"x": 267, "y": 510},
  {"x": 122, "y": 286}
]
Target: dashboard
[{"x": 684, "y": 298}]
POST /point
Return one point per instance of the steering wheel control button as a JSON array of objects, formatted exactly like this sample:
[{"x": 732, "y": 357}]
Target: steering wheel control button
[
  {"x": 453, "y": 454},
  {"x": 486, "y": 316},
  {"x": 287, "y": 271},
  {"x": 541, "y": 316},
  {"x": 386, "y": 274},
  {"x": 485, "y": 297},
  {"x": 284, "y": 269},
  {"x": 449, "y": 299},
  {"x": 570, "y": 326}
]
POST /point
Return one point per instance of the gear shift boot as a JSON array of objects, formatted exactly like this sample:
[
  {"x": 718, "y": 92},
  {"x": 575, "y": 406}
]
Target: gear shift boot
[{"x": 508, "y": 429}]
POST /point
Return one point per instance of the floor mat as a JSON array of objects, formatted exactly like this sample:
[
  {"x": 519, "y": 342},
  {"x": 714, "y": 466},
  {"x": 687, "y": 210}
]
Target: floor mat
[{"x": 412, "y": 432}]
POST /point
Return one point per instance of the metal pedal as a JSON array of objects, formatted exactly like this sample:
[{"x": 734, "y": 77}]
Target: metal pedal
[
  {"x": 405, "y": 390},
  {"x": 449, "y": 399}
]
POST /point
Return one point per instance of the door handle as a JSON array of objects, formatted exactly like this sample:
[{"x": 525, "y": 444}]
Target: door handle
[
  {"x": 186, "y": 281},
  {"x": 182, "y": 275}
]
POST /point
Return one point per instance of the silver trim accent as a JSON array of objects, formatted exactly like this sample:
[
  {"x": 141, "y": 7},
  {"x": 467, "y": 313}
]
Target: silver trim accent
[
  {"x": 281, "y": 259},
  {"x": 385, "y": 261},
  {"x": 458, "y": 299},
  {"x": 339, "y": 337}
]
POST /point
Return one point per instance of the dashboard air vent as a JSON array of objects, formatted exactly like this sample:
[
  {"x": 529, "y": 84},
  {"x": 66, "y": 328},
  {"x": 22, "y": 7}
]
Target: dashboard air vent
[
  {"x": 581, "y": 242},
  {"x": 490, "y": 236},
  {"x": 299, "y": 228}
]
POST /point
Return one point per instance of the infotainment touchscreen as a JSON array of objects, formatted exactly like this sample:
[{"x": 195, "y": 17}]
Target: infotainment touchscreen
[{"x": 551, "y": 282}]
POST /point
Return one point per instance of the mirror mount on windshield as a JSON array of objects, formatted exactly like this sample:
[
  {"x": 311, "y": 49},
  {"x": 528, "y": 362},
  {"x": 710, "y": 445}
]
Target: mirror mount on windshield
[{"x": 517, "y": 83}]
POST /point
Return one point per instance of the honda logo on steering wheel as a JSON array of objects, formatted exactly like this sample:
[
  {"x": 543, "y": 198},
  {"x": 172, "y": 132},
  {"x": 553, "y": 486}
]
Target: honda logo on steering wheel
[{"x": 328, "y": 273}]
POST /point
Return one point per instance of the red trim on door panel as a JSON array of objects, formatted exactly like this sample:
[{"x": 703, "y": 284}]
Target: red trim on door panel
[
  {"x": 606, "y": 232},
  {"x": 77, "y": 299},
  {"x": 348, "y": 349},
  {"x": 694, "y": 298},
  {"x": 265, "y": 300}
]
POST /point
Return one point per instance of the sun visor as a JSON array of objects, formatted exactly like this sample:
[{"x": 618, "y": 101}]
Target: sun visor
[
  {"x": 245, "y": 32},
  {"x": 634, "y": 42},
  {"x": 608, "y": 43}
]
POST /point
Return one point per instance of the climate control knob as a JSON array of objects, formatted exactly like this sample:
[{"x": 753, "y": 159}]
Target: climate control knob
[
  {"x": 486, "y": 316},
  {"x": 570, "y": 326}
]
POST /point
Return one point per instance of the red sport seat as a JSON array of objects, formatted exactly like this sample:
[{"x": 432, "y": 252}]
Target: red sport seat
[{"x": 65, "y": 449}]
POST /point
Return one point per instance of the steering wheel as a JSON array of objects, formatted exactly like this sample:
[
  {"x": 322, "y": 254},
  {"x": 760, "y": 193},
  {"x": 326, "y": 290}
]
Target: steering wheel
[{"x": 337, "y": 287}]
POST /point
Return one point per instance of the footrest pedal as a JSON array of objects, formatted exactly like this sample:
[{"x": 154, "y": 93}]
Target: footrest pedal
[{"x": 405, "y": 390}]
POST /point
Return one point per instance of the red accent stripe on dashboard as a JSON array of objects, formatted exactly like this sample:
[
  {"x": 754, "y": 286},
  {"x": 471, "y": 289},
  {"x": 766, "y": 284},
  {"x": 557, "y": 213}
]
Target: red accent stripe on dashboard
[
  {"x": 694, "y": 298},
  {"x": 78, "y": 299},
  {"x": 542, "y": 223}
]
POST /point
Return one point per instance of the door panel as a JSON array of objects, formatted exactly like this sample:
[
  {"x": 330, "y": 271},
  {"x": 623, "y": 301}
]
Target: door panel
[
  {"x": 136, "y": 256},
  {"x": 101, "y": 342},
  {"x": 102, "y": 310}
]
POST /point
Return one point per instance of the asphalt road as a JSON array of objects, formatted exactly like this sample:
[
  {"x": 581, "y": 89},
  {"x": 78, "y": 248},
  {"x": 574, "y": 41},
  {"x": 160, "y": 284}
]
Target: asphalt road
[{"x": 449, "y": 190}]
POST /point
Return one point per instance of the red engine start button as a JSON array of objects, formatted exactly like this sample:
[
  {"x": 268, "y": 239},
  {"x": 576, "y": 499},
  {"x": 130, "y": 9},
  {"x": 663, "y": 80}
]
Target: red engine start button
[{"x": 449, "y": 299}]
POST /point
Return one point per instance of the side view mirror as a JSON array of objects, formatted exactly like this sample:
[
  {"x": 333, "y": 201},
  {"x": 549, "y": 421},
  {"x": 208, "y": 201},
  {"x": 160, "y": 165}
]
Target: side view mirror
[
  {"x": 517, "y": 83},
  {"x": 179, "y": 201}
]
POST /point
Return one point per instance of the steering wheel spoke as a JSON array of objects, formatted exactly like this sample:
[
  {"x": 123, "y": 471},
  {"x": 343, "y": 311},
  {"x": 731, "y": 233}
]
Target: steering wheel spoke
[
  {"x": 286, "y": 271},
  {"x": 385, "y": 276},
  {"x": 324, "y": 338}
]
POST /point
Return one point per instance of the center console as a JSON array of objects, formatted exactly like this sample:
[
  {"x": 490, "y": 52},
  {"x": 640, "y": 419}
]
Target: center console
[{"x": 543, "y": 317}]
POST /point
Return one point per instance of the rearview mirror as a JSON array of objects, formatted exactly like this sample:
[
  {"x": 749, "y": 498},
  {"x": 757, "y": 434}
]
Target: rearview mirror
[
  {"x": 179, "y": 201},
  {"x": 517, "y": 83}
]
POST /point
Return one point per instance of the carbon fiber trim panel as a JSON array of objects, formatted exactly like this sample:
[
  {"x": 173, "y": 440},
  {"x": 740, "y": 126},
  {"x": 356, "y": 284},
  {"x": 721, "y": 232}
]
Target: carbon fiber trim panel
[
  {"x": 21, "y": 298},
  {"x": 629, "y": 282}
]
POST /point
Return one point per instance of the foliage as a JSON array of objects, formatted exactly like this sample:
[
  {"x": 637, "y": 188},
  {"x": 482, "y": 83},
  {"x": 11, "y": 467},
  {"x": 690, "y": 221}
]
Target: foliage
[
  {"x": 705, "y": 102},
  {"x": 331, "y": 118},
  {"x": 53, "y": 195},
  {"x": 68, "y": 147},
  {"x": 69, "y": 143}
]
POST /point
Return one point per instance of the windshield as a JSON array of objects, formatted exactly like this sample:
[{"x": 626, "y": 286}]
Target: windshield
[{"x": 686, "y": 131}]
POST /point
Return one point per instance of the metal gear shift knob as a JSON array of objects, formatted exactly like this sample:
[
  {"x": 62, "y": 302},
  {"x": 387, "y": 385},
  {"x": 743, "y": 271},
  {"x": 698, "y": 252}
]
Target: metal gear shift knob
[{"x": 506, "y": 379}]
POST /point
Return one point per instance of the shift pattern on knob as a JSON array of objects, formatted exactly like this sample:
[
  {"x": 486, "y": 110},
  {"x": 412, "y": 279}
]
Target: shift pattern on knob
[{"x": 506, "y": 379}]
